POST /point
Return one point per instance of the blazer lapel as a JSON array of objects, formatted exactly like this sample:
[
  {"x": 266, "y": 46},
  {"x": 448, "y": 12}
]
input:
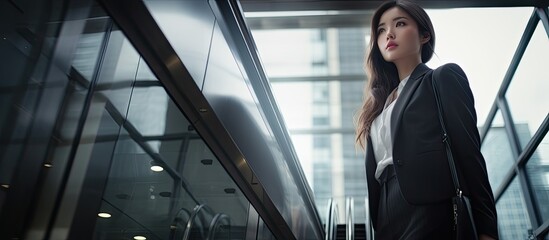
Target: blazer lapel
[{"x": 405, "y": 95}]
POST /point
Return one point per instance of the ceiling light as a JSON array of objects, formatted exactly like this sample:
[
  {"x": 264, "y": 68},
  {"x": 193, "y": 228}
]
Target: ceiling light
[
  {"x": 122, "y": 196},
  {"x": 157, "y": 168},
  {"x": 48, "y": 165},
  {"x": 139, "y": 238},
  {"x": 207, "y": 161},
  {"x": 104, "y": 215},
  {"x": 5, "y": 186},
  {"x": 165, "y": 194}
]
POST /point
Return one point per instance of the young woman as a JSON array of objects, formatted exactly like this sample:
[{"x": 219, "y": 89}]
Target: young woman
[{"x": 409, "y": 182}]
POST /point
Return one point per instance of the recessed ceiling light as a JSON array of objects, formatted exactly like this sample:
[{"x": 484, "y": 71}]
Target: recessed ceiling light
[
  {"x": 206, "y": 161},
  {"x": 157, "y": 168},
  {"x": 5, "y": 186},
  {"x": 122, "y": 196},
  {"x": 48, "y": 165},
  {"x": 104, "y": 215},
  {"x": 165, "y": 194},
  {"x": 139, "y": 238}
]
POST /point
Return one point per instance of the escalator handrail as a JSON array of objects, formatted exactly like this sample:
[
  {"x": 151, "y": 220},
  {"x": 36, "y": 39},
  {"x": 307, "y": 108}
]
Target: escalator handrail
[
  {"x": 368, "y": 223},
  {"x": 194, "y": 214},
  {"x": 350, "y": 225},
  {"x": 215, "y": 223},
  {"x": 175, "y": 222},
  {"x": 334, "y": 220},
  {"x": 328, "y": 218},
  {"x": 331, "y": 220}
]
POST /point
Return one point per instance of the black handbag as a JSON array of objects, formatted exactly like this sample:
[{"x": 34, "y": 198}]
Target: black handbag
[{"x": 464, "y": 224}]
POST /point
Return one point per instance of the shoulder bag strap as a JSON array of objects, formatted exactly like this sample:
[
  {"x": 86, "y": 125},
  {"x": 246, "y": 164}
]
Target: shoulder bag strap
[{"x": 445, "y": 137}]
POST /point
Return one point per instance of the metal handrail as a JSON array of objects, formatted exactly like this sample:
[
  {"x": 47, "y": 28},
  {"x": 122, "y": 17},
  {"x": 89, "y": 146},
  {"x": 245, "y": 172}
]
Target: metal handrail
[
  {"x": 176, "y": 222},
  {"x": 350, "y": 229},
  {"x": 331, "y": 220},
  {"x": 196, "y": 210},
  {"x": 214, "y": 224},
  {"x": 368, "y": 223},
  {"x": 334, "y": 220},
  {"x": 328, "y": 218}
]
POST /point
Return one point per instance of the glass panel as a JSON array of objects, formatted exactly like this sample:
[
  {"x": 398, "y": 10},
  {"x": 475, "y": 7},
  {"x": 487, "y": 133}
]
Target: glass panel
[
  {"x": 69, "y": 120},
  {"x": 32, "y": 70},
  {"x": 531, "y": 80},
  {"x": 181, "y": 19},
  {"x": 112, "y": 220},
  {"x": 85, "y": 57},
  {"x": 102, "y": 125},
  {"x": 496, "y": 150},
  {"x": 263, "y": 232},
  {"x": 161, "y": 171},
  {"x": 238, "y": 107},
  {"x": 25, "y": 43},
  {"x": 118, "y": 72},
  {"x": 513, "y": 221},
  {"x": 484, "y": 64},
  {"x": 537, "y": 169}
]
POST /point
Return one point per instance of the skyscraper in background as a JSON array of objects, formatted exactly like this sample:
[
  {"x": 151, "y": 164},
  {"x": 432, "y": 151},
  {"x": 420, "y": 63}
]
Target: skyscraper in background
[{"x": 328, "y": 71}]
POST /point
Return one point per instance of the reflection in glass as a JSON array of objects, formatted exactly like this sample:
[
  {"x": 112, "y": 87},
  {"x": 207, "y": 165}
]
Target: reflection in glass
[
  {"x": 537, "y": 169},
  {"x": 527, "y": 94},
  {"x": 85, "y": 57},
  {"x": 118, "y": 71},
  {"x": 27, "y": 58},
  {"x": 193, "y": 187},
  {"x": 513, "y": 221},
  {"x": 263, "y": 231},
  {"x": 181, "y": 19},
  {"x": 496, "y": 150}
]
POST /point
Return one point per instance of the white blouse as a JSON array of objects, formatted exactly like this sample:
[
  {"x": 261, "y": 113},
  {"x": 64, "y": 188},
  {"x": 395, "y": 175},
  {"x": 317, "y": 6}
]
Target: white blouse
[{"x": 380, "y": 134}]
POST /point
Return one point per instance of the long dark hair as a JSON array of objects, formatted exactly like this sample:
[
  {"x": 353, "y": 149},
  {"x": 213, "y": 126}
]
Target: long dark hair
[{"x": 383, "y": 75}]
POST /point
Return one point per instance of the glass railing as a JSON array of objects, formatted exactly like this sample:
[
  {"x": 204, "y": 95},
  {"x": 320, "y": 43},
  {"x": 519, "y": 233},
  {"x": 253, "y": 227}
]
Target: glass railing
[{"x": 280, "y": 170}]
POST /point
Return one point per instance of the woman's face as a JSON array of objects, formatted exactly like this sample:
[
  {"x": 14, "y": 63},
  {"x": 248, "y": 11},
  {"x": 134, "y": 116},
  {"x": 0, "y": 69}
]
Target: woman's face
[{"x": 398, "y": 36}]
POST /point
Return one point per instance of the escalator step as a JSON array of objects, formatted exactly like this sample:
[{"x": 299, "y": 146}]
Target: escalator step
[
  {"x": 360, "y": 231},
  {"x": 340, "y": 232}
]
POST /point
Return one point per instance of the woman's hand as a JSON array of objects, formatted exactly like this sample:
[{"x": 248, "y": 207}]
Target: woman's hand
[{"x": 485, "y": 237}]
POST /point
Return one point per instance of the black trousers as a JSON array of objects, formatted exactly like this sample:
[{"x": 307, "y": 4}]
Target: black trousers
[{"x": 398, "y": 219}]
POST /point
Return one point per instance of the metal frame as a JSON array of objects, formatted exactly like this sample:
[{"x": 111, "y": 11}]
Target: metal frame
[{"x": 520, "y": 155}]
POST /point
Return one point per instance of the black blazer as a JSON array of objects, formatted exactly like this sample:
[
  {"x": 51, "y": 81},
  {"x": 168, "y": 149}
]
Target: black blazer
[{"x": 419, "y": 156}]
